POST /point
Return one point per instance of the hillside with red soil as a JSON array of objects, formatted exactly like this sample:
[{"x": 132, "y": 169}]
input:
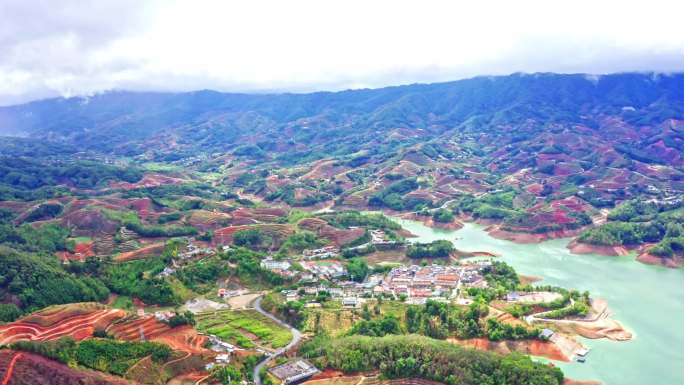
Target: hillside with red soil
[
  {"x": 143, "y": 252},
  {"x": 338, "y": 236},
  {"x": 32, "y": 369},
  {"x": 149, "y": 180},
  {"x": 277, "y": 232},
  {"x": 532, "y": 347},
  {"x": 81, "y": 252},
  {"x": 183, "y": 338},
  {"x": 78, "y": 321}
]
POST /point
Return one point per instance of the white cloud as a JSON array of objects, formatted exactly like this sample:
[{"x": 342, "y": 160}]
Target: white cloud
[{"x": 64, "y": 47}]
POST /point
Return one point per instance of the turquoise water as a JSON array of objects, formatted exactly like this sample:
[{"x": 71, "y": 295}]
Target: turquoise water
[{"x": 647, "y": 300}]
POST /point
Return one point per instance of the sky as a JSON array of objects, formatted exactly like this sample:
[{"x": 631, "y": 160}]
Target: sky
[{"x": 66, "y": 48}]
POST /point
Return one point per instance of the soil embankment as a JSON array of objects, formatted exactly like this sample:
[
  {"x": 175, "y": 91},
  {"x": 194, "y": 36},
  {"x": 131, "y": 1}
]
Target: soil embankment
[
  {"x": 532, "y": 347},
  {"x": 597, "y": 325},
  {"x": 577, "y": 247},
  {"x": 650, "y": 259},
  {"x": 430, "y": 222},
  {"x": 496, "y": 231}
]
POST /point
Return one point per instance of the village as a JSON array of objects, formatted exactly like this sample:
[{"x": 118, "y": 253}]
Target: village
[
  {"x": 413, "y": 284},
  {"x": 321, "y": 274}
]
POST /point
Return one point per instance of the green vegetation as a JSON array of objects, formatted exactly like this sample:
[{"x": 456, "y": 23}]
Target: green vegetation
[
  {"x": 185, "y": 318},
  {"x": 138, "y": 279},
  {"x": 292, "y": 312},
  {"x": 287, "y": 195},
  {"x": 443, "y": 216},
  {"x": 622, "y": 233},
  {"x": 46, "y": 239},
  {"x": 346, "y": 219},
  {"x": 252, "y": 238},
  {"x": 377, "y": 328},
  {"x": 241, "y": 326},
  {"x": 249, "y": 268},
  {"x": 636, "y": 222},
  {"x": 130, "y": 220},
  {"x": 39, "y": 281},
  {"x": 392, "y": 196},
  {"x": 44, "y": 211},
  {"x": 24, "y": 178},
  {"x": 9, "y": 312},
  {"x": 434, "y": 249},
  {"x": 300, "y": 241},
  {"x": 166, "y": 218},
  {"x": 416, "y": 356},
  {"x": 497, "y": 205},
  {"x": 357, "y": 269},
  {"x": 227, "y": 375},
  {"x": 201, "y": 276},
  {"x": 100, "y": 354}
]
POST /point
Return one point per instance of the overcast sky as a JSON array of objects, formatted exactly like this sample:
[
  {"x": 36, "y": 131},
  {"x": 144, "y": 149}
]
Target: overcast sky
[{"x": 62, "y": 47}]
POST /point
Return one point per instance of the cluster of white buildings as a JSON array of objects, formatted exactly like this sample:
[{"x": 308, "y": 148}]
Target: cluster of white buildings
[
  {"x": 378, "y": 238},
  {"x": 322, "y": 253},
  {"x": 329, "y": 270},
  {"x": 192, "y": 251},
  {"x": 416, "y": 283},
  {"x": 272, "y": 264}
]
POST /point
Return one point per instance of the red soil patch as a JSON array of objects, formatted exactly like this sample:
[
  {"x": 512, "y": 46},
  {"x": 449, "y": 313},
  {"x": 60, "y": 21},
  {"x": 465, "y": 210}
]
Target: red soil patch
[
  {"x": 522, "y": 237},
  {"x": 535, "y": 189},
  {"x": 143, "y": 252},
  {"x": 10, "y": 369},
  {"x": 570, "y": 381},
  {"x": 577, "y": 247},
  {"x": 149, "y": 180},
  {"x": 278, "y": 232},
  {"x": 183, "y": 338},
  {"x": 81, "y": 252},
  {"x": 429, "y": 222},
  {"x": 53, "y": 326},
  {"x": 532, "y": 347},
  {"x": 88, "y": 222},
  {"x": 244, "y": 216},
  {"x": 649, "y": 259},
  {"x": 130, "y": 329},
  {"x": 338, "y": 236},
  {"x": 142, "y": 206},
  {"x": 206, "y": 220}
]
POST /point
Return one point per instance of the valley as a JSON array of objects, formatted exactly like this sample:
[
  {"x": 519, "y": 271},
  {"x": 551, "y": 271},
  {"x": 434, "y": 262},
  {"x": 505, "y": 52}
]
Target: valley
[{"x": 513, "y": 229}]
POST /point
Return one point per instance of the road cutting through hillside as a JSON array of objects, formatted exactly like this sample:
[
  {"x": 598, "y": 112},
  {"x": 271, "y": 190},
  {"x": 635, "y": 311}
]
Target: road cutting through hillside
[{"x": 296, "y": 337}]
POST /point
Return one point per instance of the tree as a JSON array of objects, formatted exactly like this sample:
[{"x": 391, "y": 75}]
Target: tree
[
  {"x": 443, "y": 216},
  {"x": 358, "y": 269},
  {"x": 250, "y": 237},
  {"x": 227, "y": 375}
]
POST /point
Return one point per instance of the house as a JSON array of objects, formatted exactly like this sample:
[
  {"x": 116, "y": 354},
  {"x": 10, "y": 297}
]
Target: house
[
  {"x": 350, "y": 302},
  {"x": 545, "y": 334},
  {"x": 271, "y": 264},
  {"x": 222, "y": 358},
  {"x": 164, "y": 315},
  {"x": 513, "y": 297},
  {"x": 291, "y": 296},
  {"x": 221, "y": 293},
  {"x": 295, "y": 371}
]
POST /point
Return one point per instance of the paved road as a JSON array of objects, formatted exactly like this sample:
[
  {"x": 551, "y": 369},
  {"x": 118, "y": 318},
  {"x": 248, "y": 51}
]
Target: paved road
[{"x": 296, "y": 337}]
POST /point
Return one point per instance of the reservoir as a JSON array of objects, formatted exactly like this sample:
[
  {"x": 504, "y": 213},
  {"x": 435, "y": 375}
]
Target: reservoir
[{"x": 647, "y": 300}]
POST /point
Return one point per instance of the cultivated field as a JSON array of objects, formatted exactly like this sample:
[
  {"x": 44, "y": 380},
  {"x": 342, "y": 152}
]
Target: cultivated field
[
  {"x": 244, "y": 328},
  {"x": 75, "y": 320}
]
